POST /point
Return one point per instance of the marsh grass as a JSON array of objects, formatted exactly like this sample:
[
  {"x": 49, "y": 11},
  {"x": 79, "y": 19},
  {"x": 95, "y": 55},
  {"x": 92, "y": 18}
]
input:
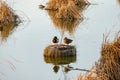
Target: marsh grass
[
  {"x": 56, "y": 4},
  {"x": 67, "y": 9},
  {"x": 8, "y": 20},
  {"x": 108, "y": 66},
  {"x": 7, "y": 15},
  {"x": 6, "y": 31},
  {"x": 66, "y": 15}
]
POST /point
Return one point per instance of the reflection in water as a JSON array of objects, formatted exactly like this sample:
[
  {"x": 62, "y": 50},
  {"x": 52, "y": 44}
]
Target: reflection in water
[
  {"x": 64, "y": 25},
  {"x": 6, "y": 31},
  {"x": 56, "y": 68},
  {"x": 60, "y": 62},
  {"x": 8, "y": 20}
]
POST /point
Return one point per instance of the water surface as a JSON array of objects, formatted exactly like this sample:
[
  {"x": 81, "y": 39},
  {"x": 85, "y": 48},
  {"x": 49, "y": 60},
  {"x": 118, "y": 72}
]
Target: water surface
[{"x": 21, "y": 55}]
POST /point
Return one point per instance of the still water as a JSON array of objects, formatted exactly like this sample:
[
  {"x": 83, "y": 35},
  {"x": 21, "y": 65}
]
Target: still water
[{"x": 21, "y": 55}]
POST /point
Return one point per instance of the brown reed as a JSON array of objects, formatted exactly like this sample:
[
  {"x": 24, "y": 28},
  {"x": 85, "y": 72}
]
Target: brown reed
[
  {"x": 7, "y": 15},
  {"x": 108, "y": 66},
  {"x": 56, "y": 4},
  {"x": 67, "y": 9},
  {"x": 8, "y": 20}
]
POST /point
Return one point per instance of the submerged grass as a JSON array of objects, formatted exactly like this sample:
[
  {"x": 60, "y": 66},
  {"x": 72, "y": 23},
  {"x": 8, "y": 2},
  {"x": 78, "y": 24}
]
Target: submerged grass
[{"x": 108, "y": 66}]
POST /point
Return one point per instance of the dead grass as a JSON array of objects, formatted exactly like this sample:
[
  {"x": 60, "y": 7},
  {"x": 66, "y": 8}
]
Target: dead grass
[
  {"x": 7, "y": 15},
  {"x": 67, "y": 9},
  {"x": 8, "y": 20},
  {"x": 56, "y": 4},
  {"x": 108, "y": 66}
]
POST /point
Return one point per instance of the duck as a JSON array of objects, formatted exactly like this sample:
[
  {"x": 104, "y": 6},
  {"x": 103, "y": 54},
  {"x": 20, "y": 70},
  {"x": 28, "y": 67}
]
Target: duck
[
  {"x": 55, "y": 40},
  {"x": 67, "y": 40},
  {"x": 41, "y": 6}
]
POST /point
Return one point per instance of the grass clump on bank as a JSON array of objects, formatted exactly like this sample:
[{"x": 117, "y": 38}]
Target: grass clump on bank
[
  {"x": 7, "y": 15},
  {"x": 108, "y": 66},
  {"x": 67, "y": 9},
  {"x": 66, "y": 14},
  {"x": 8, "y": 20}
]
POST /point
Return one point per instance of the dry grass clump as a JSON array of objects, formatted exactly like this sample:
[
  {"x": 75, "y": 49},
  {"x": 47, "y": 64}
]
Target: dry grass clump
[
  {"x": 81, "y": 3},
  {"x": 8, "y": 20},
  {"x": 7, "y": 15},
  {"x": 69, "y": 11},
  {"x": 66, "y": 14},
  {"x": 108, "y": 66},
  {"x": 56, "y": 4}
]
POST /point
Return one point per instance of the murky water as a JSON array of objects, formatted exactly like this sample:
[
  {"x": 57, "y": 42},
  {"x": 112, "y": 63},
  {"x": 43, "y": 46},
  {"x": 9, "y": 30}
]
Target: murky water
[{"x": 21, "y": 55}]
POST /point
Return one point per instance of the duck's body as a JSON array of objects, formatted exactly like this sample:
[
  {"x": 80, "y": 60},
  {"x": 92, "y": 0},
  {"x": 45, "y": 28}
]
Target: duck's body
[
  {"x": 67, "y": 40},
  {"x": 41, "y": 6},
  {"x": 55, "y": 40}
]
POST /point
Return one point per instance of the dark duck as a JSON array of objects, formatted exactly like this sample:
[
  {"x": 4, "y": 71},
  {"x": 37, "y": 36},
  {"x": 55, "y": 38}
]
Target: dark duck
[
  {"x": 67, "y": 40},
  {"x": 55, "y": 40}
]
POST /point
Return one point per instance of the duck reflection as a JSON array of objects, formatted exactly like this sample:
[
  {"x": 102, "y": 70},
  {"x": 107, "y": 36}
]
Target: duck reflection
[
  {"x": 60, "y": 62},
  {"x": 56, "y": 68}
]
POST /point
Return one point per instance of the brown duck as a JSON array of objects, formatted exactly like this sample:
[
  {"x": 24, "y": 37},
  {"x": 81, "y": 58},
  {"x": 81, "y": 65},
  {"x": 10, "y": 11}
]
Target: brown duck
[
  {"x": 55, "y": 39},
  {"x": 41, "y": 6},
  {"x": 67, "y": 40}
]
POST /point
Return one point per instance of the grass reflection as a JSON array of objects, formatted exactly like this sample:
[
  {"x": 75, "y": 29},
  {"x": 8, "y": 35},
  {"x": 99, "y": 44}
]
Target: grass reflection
[
  {"x": 6, "y": 31},
  {"x": 8, "y": 20},
  {"x": 68, "y": 25}
]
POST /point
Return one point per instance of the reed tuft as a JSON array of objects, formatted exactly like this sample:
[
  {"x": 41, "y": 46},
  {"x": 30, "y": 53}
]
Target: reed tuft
[{"x": 108, "y": 66}]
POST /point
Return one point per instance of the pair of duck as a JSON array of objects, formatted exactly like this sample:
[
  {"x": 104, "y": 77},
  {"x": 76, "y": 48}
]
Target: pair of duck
[{"x": 66, "y": 40}]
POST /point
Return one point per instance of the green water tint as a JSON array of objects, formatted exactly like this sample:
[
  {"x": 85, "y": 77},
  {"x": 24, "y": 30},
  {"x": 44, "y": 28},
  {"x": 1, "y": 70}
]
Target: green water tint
[{"x": 60, "y": 60}]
